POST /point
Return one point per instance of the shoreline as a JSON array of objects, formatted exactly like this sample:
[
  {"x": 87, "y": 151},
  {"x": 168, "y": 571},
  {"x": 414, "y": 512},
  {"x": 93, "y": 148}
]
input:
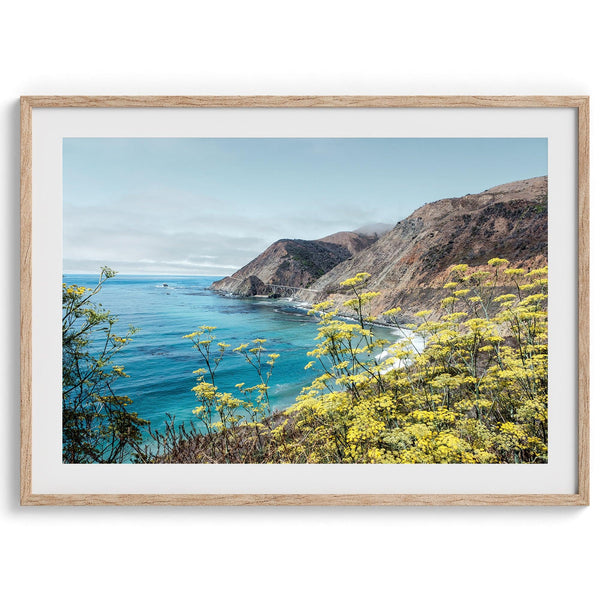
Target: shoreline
[{"x": 304, "y": 307}]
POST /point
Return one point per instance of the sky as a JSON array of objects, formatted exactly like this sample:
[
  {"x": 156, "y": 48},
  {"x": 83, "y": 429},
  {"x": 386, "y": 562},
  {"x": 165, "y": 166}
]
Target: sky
[{"x": 207, "y": 206}]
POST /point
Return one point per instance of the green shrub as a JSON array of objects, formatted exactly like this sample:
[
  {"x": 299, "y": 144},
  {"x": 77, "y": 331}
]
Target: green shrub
[{"x": 97, "y": 425}]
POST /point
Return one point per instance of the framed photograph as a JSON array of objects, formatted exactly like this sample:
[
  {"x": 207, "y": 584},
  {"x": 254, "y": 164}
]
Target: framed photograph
[{"x": 305, "y": 300}]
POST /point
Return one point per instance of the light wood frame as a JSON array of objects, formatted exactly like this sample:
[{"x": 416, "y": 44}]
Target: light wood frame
[{"x": 581, "y": 103}]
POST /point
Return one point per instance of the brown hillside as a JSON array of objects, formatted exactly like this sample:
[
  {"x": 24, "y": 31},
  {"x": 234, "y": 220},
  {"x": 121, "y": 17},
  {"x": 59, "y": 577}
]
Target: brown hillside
[
  {"x": 293, "y": 263},
  {"x": 410, "y": 263}
]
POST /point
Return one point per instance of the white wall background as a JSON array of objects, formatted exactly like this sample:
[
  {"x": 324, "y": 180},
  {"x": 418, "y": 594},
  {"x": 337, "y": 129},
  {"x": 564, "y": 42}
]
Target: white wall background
[{"x": 260, "y": 47}]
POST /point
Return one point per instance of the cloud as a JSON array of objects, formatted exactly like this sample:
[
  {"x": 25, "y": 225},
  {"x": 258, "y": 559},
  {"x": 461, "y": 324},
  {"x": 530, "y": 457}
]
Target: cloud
[{"x": 175, "y": 232}]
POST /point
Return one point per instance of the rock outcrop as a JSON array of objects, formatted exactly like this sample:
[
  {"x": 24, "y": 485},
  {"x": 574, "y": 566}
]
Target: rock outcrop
[{"x": 290, "y": 264}]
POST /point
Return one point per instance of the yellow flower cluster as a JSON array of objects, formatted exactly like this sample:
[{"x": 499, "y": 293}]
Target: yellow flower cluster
[{"x": 476, "y": 393}]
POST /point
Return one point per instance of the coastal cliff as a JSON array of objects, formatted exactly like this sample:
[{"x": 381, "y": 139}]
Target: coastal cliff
[
  {"x": 288, "y": 264},
  {"x": 409, "y": 264}
]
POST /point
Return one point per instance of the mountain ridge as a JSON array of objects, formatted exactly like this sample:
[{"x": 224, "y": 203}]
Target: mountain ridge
[
  {"x": 409, "y": 263},
  {"x": 293, "y": 263}
]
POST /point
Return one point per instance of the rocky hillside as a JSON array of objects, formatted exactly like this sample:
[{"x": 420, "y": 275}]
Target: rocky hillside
[
  {"x": 409, "y": 264},
  {"x": 293, "y": 264}
]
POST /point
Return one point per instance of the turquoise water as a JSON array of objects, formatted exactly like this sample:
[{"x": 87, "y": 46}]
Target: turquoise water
[{"x": 160, "y": 362}]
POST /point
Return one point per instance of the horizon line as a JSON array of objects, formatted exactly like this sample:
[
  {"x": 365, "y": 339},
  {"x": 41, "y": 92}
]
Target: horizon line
[{"x": 150, "y": 274}]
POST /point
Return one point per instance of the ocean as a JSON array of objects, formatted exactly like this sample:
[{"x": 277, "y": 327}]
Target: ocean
[{"x": 160, "y": 362}]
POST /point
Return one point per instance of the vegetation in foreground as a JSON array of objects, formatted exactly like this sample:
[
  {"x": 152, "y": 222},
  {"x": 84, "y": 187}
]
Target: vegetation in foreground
[
  {"x": 97, "y": 424},
  {"x": 475, "y": 393}
]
